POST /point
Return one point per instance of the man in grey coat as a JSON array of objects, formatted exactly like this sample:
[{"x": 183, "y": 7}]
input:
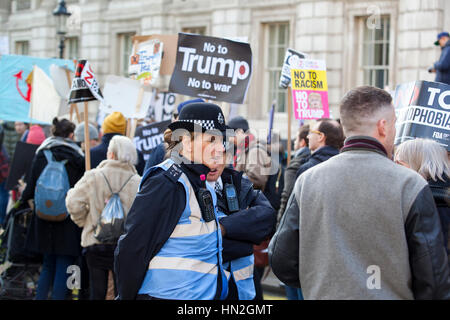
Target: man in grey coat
[{"x": 358, "y": 226}]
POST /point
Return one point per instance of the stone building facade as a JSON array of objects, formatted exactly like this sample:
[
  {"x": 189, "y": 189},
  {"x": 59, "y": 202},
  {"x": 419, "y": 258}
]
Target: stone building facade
[{"x": 380, "y": 43}]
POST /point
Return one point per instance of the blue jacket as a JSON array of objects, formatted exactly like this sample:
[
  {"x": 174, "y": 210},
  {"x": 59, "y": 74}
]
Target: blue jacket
[
  {"x": 254, "y": 223},
  {"x": 320, "y": 155},
  {"x": 442, "y": 67},
  {"x": 98, "y": 153},
  {"x": 147, "y": 230},
  {"x": 189, "y": 264},
  {"x": 251, "y": 225}
]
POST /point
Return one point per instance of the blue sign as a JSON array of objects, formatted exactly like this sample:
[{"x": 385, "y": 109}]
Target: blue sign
[{"x": 15, "y": 90}]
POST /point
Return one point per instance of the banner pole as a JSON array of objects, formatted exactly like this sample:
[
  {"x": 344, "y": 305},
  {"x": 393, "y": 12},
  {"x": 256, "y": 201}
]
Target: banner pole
[
  {"x": 87, "y": 146},
  {"x": 129, "y": 120},
  {"x": 77, "y": 112},
  {"x": 289, "y": 93}
]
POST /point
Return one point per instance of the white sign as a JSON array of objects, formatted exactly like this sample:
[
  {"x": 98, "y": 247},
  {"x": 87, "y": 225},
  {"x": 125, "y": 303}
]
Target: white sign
[
  {"x": 46, "y": 102},
  {"x": 145, "y": 64},
  {"x": 122, "y": 94},
  {"x": 61, "y": 82},
  {"x": 162, "y": 106}
]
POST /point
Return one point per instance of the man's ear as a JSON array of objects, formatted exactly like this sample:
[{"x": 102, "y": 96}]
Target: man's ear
[
  {"x": 381, "y": 127},
  {"x": 71, "y": 135},
  {"x": 322, "y": 138}
]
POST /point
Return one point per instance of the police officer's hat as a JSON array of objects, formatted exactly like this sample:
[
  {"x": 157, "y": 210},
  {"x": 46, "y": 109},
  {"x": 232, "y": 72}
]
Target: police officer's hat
[{"x": 200, "y": 117}]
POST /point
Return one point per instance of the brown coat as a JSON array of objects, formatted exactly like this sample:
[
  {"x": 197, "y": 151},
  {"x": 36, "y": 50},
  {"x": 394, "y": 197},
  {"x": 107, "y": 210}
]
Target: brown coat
[{"x": 86, "y": 200}]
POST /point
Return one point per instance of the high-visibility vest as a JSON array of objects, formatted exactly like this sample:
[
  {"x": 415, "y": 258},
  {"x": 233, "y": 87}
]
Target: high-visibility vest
[
  {"x": 241, "y": 270},
  {"x": 188, "y": 265}
]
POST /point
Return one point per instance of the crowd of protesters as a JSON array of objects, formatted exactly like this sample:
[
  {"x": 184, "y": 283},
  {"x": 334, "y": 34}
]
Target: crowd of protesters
[{"x": 215, "y": 208}]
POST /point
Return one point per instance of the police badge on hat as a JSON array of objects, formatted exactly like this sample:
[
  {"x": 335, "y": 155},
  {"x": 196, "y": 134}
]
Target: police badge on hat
[{"x": 220, "y": 118}]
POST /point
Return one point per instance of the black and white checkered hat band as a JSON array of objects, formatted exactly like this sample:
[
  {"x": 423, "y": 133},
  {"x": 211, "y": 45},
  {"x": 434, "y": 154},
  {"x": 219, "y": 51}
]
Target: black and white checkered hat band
[{"x": 205, "y": 124}]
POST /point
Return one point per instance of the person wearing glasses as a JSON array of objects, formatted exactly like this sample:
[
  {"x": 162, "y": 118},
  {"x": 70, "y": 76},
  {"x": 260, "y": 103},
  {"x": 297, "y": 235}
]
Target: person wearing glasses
[
  {"x": 359, "y": 226},
  {"x": 325, "y": 140}
]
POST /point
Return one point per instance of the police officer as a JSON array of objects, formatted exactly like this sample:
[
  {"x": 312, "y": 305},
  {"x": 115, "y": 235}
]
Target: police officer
[
  {"x": 172, "y": 244},
  {"x": 246, "y": 218}
]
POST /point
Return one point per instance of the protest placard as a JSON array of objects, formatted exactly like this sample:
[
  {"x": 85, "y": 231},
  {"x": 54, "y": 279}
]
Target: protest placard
[
  {"x": 147, "y": 138},
  {"x": 121, "y": 94},
  {"x": 85, "y": 88},
  {"x": 169, "y": 46},
  {"x": 84, "y": 85},
  {"x": 20, "y": 163},
  {"x": 161, "y": 106},
  {"x": 46, "y": 103},
  {"x": 15, "y": 91},
  {"x": 212, "y": 68},
  {"x": 291, "y": 61},
  {"x": 310, "y": 90},
  {"x": 146, "y": 62},
  {"x": 423, "y": 111}
]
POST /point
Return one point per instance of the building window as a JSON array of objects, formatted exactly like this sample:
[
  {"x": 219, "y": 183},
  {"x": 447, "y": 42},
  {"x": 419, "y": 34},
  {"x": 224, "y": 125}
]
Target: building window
[
  {"x": 196, "y": 30},
  {"x": 125, "y": 51},
  {"x": 375, "y": 52},
  {"x": 22, "y": 48},
  {"x": 277, "y": 39},
  {"x": 23, "y": 5},
  {"x": 71, "y": 50}
]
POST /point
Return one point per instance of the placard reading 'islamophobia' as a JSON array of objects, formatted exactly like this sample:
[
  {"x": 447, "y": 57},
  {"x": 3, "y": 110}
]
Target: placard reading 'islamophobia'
[
  {"x": 212, "y": 68},
  {"x": 423, "y": 111},
  {"x": 149, "y": 137}
]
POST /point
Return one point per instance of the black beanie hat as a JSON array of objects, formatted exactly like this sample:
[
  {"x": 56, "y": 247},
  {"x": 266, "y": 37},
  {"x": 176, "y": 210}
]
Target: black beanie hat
[{"x": 238, "y": 123}]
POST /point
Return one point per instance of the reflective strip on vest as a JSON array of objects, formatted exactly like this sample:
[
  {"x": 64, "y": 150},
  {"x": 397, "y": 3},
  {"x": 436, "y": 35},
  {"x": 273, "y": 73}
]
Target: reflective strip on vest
[
  {"x": 188, "y": 264},
  {"x": 242, "y": 271},
  {"x": 182, "y": 264}
]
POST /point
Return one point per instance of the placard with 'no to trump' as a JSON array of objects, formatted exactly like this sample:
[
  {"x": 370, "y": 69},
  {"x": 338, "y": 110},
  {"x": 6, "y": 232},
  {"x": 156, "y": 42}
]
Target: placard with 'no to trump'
[{"x": 310, "y": 90}]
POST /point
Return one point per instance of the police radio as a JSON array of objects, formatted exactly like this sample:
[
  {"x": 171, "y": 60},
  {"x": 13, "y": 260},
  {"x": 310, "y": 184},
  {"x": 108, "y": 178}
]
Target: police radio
[
  {"x": 231, "y": 194},
  {"x": 206, "y": 204}
]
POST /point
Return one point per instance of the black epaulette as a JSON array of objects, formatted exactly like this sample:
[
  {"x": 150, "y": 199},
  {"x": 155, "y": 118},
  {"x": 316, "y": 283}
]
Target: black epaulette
[{"x": 174, "y": 172}]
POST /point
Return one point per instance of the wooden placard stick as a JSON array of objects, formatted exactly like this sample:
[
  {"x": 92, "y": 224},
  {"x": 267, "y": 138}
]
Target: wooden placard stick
[
  {"x": 129, "y": 122},
  {"x": 87, "y": 145}
]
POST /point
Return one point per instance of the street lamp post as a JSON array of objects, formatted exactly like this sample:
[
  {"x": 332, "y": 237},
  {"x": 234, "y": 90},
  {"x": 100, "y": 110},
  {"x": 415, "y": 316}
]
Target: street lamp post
[{"x": 61, "y": 15}]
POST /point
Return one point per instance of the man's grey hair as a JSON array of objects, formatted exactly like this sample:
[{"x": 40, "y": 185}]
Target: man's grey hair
[{"x": 362, "y": 107}]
